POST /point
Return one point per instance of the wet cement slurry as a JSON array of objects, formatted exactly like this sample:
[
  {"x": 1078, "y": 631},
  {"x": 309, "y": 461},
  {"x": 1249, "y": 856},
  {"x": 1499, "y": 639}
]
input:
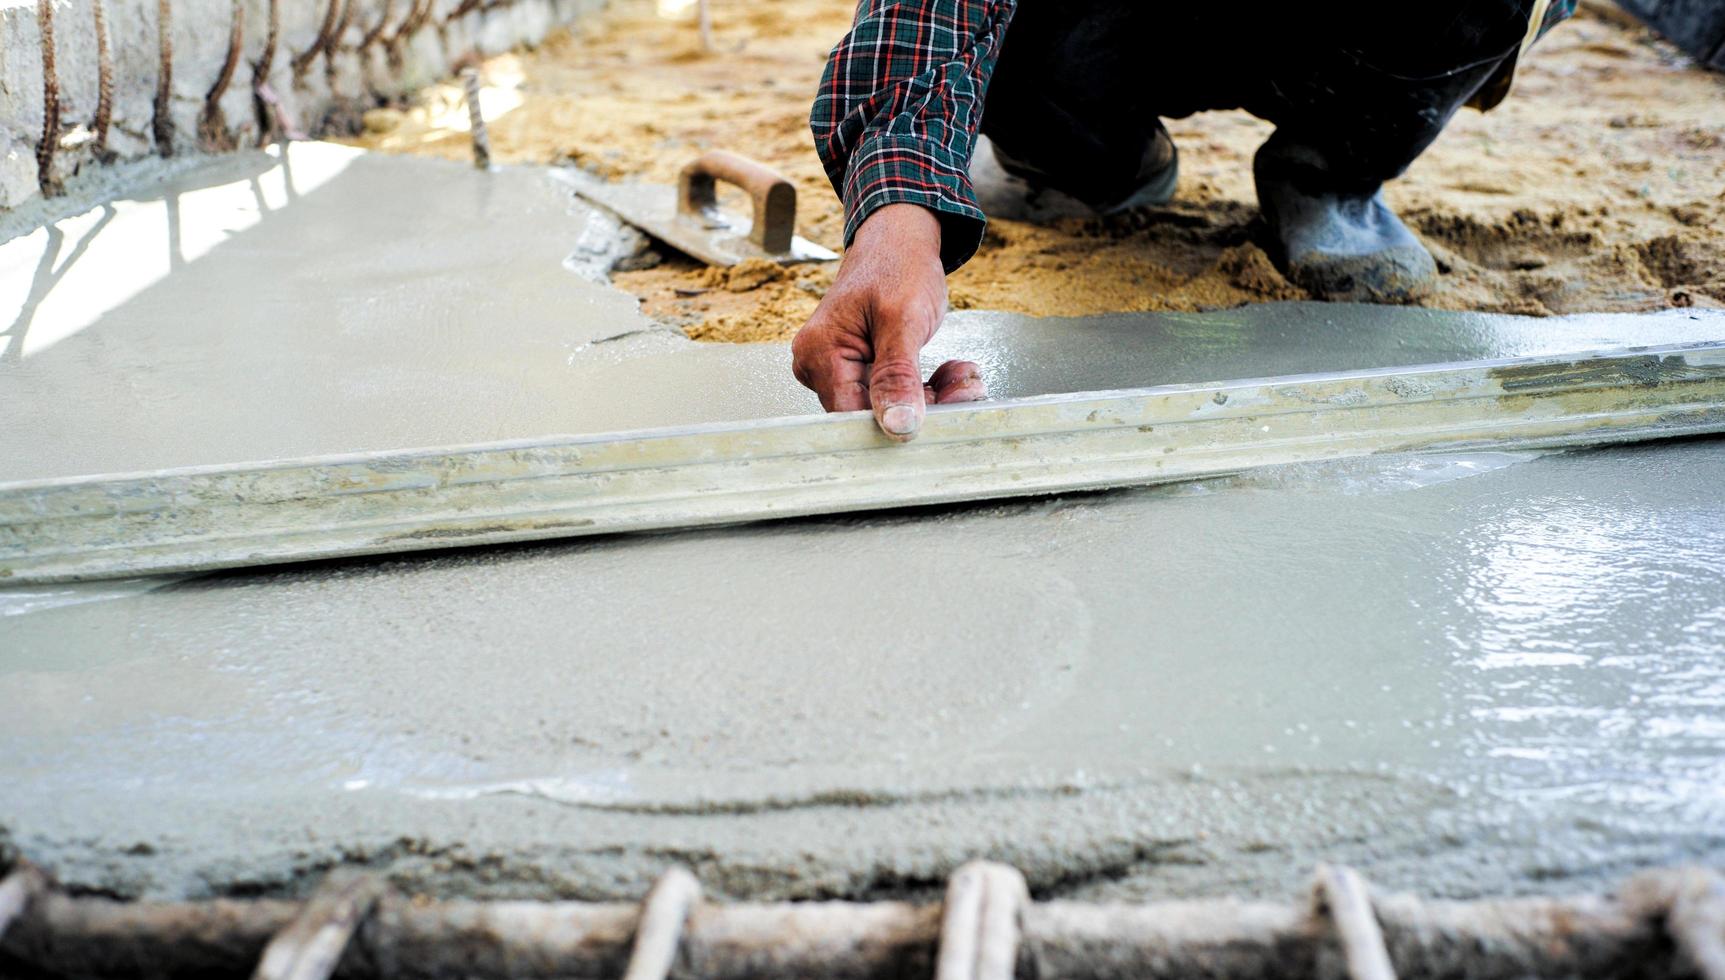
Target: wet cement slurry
[
  {"x": 1465, "y": 673},
  {"x": 258, "y": 308},
  {"x": 255, "y": 310}
]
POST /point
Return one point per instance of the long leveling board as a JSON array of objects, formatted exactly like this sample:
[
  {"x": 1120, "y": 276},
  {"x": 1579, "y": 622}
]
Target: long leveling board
[{"x": 372, "y": 503}]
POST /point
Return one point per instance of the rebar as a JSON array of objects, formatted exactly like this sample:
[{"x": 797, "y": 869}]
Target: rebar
[
  {"x": 332, "y": 16},
  {"x": 418, "y": 12},
  {"x": 213, "y": 131},
  {"x": 45, "y": 176},
  {"x": 262, "y": 107},
  {"x": 333, "y": 48},
  {"x": 162, "y": 126},
  {"x": 376, "y": 33},
  {"x": 104, "y": 82},
  {"x": 476, "y": 119},
  {"x": 273, "y": 105},
  {"x": 461, "y": 10}
]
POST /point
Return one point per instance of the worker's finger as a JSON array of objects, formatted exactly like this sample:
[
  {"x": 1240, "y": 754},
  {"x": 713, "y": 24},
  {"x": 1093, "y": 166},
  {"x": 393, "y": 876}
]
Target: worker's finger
[
  {"x": 834, "y": 371},
  {"x": 895, "y": 384},
  {"x": 839, "y": 383},
  {"x": 957, "y": 381},
  {"x": 847, "y": 396},
  {"x": 840, "y": 380}
]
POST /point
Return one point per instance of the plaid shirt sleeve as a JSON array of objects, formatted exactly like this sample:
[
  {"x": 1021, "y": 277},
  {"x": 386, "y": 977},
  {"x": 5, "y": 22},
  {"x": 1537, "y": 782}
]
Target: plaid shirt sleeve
[
  {"x": 1556, "y": 12},
  {"x": 899, "y": 103}
]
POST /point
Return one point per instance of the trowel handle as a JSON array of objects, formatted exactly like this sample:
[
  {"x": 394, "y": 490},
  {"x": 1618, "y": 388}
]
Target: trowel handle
[{"x": 774, "y": 196}]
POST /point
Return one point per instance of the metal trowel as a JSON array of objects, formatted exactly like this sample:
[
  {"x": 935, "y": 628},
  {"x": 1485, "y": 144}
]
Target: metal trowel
[{"x": 688, "y": 218}]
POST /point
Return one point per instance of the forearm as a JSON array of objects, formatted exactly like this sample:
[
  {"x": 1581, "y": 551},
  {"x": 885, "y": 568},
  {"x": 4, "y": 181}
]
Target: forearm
[{"x": 899, "y": 104}]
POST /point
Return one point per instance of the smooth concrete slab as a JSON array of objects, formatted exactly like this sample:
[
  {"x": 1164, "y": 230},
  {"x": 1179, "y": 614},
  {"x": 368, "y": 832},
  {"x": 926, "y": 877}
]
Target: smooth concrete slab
[
  {"x": 320, "y": 300},
  {"x": 1023, "y": 355},
  {"x": 1464, "y": 674},
  {"x": 327, "y": 301}
]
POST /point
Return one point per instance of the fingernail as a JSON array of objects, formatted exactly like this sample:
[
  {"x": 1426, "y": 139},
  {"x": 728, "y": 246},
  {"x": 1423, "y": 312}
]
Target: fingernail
[{"x": 900, "y": 420}]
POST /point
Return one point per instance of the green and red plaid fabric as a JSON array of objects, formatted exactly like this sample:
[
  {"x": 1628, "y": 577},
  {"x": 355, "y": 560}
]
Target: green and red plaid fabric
[
  {"x": 897, "y": 112},
  {"x": 898, "y": 107},
  {"x": 1558, "y": 11}
]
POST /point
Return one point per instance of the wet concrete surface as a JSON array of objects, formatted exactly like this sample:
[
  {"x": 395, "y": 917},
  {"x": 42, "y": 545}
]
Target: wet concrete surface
[
  {"x": 261, "y": 308},
  {"x": 1464, "y": 674},
  {"x": 255, "y": 310}
]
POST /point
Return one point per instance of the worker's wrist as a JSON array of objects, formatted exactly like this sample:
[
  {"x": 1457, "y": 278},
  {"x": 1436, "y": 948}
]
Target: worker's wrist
[
  {"x": 895, "y": 169},
  {"x": 909, "y": 228}
]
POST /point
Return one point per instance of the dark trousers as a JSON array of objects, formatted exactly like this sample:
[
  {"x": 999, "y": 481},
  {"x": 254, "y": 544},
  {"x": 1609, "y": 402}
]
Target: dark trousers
[{"x": 1359, "y": 87}]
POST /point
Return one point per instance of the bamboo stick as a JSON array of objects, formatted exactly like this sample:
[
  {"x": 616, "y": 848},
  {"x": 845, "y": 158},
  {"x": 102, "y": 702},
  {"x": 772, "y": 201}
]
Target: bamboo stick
[
  {"x": 1342, "y": 896},
  {"x": 1574, "y": 936},
  {"x": 312, "y": 944}
]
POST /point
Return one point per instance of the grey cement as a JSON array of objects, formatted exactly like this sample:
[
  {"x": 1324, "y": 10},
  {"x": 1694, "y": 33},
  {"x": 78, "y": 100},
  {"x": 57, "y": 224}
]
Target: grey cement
[
  {"x": 329, "y": 301},
  {"x": 1465, "y": 674},
  {"x": 335, "y": 302}
]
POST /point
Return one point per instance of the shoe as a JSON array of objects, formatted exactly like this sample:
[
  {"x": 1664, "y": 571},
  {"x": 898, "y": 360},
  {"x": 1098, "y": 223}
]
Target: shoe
[
  {"x": 1159, "y": 182},
  {"x": 1336, "y": 244},
  {"x": 1158, "y": 173}
]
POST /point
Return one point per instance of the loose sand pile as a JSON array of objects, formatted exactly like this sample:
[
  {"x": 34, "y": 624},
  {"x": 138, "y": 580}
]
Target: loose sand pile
[{"x": 1599, "y": 185}]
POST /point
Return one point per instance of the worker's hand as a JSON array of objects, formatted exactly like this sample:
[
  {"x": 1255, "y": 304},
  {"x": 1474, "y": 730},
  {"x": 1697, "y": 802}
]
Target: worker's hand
[{"x": 860, "y": 348}]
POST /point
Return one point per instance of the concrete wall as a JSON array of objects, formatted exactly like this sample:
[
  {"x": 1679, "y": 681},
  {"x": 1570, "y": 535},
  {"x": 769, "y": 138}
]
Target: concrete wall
[{"x": 381, "y": 49}]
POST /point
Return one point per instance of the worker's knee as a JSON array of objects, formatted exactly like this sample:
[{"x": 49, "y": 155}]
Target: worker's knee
[
  {"x": 1066, "y": 106},
  {"x": 1366, "y": 103}
]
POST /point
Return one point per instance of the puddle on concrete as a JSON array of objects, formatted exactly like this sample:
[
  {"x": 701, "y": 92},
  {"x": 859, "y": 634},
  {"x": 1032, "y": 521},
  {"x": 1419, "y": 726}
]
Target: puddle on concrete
[
  {"x": 39, "y": 598},
  {"x": 1472, "y": 673}
]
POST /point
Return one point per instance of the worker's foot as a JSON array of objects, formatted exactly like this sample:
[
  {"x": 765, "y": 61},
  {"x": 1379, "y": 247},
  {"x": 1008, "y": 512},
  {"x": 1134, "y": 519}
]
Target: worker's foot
[
  {"x": 1336, "y": 245},
  {"x": 1157, "y": 173},
  {"x": 1160, "y": 178}
]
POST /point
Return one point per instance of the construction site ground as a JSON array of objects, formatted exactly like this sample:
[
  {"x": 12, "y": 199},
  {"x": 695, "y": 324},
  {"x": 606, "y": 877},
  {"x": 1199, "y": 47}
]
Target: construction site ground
[
  {"x": 1465, "y": 674},
  {"x": 1597, "y": 186}
]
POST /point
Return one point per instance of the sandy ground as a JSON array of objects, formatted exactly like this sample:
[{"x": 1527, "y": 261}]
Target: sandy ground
[{"x": 1596, "y": 186}]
